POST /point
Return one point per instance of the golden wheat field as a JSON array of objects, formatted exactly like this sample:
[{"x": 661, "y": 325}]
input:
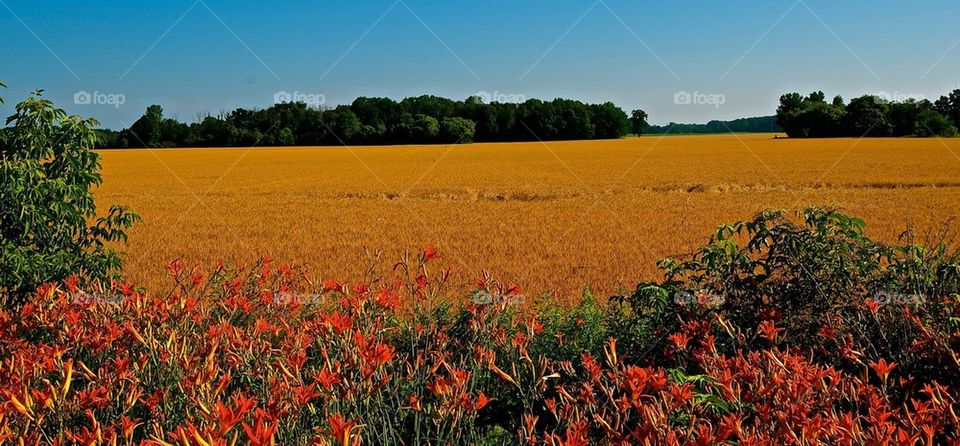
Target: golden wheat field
[{"x": 552, "y": 217}]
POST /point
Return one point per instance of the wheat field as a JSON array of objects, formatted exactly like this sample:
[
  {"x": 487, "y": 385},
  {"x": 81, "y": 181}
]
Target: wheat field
[{"x": 552, "y": 217}]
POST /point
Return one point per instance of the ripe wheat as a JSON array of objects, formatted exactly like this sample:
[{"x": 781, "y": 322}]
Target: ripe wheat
[{"x": 553, "y": 216}]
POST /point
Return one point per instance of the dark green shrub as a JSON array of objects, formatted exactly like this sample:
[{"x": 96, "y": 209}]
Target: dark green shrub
[{"x": 822, "y": 282}]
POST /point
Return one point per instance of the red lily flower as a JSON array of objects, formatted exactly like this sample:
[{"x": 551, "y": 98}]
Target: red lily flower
[
  {"x": 429, "y": 253},
  {"x": 340, "y": 322},
  {"x": 328, "y": 379},
  {"x": 342, "y": 429},
  {"x": 882, "y": 368},
  {"x": 680, "y": 340},
  {"x": 769, "y": 330},
  {"x": 482, "y": 401},
  {"x": 261, "y": 434},
  {"x": 332, "y": 285},
  {"x": 305, "y": 394}
]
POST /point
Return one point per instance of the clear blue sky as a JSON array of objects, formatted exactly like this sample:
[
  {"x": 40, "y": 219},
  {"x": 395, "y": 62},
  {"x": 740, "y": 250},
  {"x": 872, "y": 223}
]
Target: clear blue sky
[{"x": 211, "y": 55}]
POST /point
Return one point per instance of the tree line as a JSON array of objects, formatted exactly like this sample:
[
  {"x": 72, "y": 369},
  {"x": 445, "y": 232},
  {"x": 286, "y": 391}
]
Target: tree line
[
  {"x": 368, "y": 121},
  {"x": 813, "y": 117},
  {"x": 760, "y": 124}
]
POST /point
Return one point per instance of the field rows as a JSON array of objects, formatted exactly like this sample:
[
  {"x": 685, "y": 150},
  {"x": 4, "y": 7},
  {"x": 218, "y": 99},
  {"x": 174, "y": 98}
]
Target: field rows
[{"x": 550, "y": 216}]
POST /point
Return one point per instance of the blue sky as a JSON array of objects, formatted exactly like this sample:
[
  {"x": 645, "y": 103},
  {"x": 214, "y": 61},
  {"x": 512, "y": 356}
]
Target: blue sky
[{"x": 193, "y": 56}]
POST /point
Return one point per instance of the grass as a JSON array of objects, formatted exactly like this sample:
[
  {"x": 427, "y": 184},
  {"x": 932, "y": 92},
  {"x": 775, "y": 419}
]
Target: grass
[{"x": 550, "y": 216}]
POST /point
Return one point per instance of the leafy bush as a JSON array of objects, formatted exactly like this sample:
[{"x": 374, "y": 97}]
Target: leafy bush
[
  {"x": 48, "y": 223},
  {"x": 827, "y": 286}
]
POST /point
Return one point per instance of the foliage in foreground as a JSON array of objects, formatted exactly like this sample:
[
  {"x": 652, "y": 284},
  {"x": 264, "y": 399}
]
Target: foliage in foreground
[
  {"x": 49, "y": 228},
  {"x": 737, "y": 355},
  {"x": 833, "y": 292}
]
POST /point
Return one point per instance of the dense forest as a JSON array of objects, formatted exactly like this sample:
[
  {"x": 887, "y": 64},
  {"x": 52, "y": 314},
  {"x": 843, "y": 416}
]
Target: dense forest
[
  {"x": 416, "y": 120},
  {"x": 813, "y": 117},
  {"x": 431, "y": 120},
  {"x": 760, "y": 124}
]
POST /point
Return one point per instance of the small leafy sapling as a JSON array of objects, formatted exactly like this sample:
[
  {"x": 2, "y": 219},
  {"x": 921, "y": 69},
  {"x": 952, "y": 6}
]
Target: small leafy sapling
[{"x": 49, "y": 227}]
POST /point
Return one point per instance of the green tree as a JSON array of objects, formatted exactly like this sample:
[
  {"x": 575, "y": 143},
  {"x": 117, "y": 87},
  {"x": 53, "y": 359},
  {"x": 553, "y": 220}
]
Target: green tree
[
  {"x": 791, "y": 105},
  {"x": 903, "y": 116},
  {"x": 49, "y": 228},
  {"x": 286, "y": 137},
  {"x": 819, "y": 96},
  {"x": 378, "y": 121},
  {"x": 457, "y": 130},
  {"x": 347, "y": 126},
  {"x": 638, "y": 122},
  {"x": 868, "y": 116},
  {"x": 425, "y": 128},
  {"x": 372, "y": 134},
  {"x": 810, "y": 117},
  {"x": 148, "y": 129},
  {"x": 823, "y": 120},
  {"x": 610, "y": 121},
  {"x": 949, "y": 106},
  {"x": 930, "y": 123}
]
